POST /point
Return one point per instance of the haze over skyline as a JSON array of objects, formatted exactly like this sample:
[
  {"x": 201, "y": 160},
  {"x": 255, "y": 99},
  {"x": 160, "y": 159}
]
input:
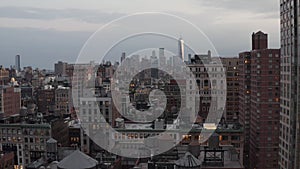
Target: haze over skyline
[{"x": 43, "y": 33}]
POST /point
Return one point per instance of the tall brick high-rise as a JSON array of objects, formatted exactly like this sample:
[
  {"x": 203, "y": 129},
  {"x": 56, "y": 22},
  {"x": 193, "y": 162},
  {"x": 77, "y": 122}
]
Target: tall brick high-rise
[
  {"x": 244, "y": 100},
  {"x": 260, "y": 103},
  {"x": 290, "y": 98}
]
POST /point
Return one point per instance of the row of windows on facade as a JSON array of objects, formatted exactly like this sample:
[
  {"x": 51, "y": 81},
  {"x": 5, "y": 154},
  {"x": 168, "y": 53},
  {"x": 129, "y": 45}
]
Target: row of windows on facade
[
  {"x": 285, "y": 111},
  {"x": 198, "y": 75},
  {"x": 35, "y": 140},
  {"x": 119, "y": 136},
  {"x": 93, "y": 120},
  {"x": 61, "y": 95},
  {"x": 95, "y": 103},
  {"x": 285, "y": 102},
  {"x": 10, "y": 139},
  {"x": 209, "y": 69},
  {"x": 285, "y": 59},
  {"x": 84, "y": 111},
  {"x": 174, "y": 136},
  {"x": 285, "y": 78},
  {"x": 33, "y": 155},
  {"x": 270, "y": 66},
  {"x": 11, "y": 131},
  {"x": 286, "y": 4}
]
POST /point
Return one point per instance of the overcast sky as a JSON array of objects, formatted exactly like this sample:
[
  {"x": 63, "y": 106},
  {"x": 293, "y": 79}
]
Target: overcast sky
[{"x": 43, "y": 32}]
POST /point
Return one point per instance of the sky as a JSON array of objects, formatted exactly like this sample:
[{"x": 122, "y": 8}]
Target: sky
[{"x": 43, "y": 32}]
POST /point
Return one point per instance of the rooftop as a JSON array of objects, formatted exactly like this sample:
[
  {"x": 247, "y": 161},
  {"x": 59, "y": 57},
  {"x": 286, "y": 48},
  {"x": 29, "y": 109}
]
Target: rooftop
[
  {"x": 77, "y": 160},
  {"x": 26, "y": 125}
]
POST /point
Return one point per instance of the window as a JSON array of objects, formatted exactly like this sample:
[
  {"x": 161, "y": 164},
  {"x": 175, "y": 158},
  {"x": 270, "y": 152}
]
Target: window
[
  {"x": 236, "y": 145},
  {"x": 224, "y": 137},
  {"x": 235, "y": 137}
]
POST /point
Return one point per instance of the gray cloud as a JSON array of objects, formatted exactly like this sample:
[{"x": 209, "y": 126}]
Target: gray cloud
[
  {"x": 260, "y": 6},
  {"x": 92, "y": 16}
]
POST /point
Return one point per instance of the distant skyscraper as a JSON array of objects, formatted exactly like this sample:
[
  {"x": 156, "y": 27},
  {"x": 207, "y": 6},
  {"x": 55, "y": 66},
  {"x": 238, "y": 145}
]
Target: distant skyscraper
[
  {"x": 60, "y": 68},
  {"x": 161, "y": 57},
  {"x": 161, "y": 52},
  {"x": 290, "y": 86},
  {"x": 154, "y": 65},
  {"x": 189, "y": 58},
  {"x": 18, "y": 62},
  {"x": 181, "y": 48},
  {"x": 123, "y": 57}
]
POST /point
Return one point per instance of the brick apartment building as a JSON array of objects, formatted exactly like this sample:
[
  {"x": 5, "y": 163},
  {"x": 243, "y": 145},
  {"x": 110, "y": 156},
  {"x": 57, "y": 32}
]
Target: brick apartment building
[
  {"x": 232, "y": 103},
  {"x": 46, "y": 99},
  {"x": 10, "y": 101},
  {"x": 260, "y": 103},
  {"x": 4, "y": 76}
]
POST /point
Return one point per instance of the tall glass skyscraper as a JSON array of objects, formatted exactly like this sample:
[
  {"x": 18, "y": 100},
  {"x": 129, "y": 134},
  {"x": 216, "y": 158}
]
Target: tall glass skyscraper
[
  {"x": 290, "y": 86},
  {"x": 18, "y": 62},
  {"x": 181, "y": 48}
]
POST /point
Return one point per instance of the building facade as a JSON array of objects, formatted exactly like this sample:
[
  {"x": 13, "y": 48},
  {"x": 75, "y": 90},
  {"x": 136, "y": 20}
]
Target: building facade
[
  {"x": 10, "y": 100},
  {"x": 232, "y": 103},
  {"x": 63, "y": 100},
  {"x": 46, "y": 100},
  {"x": 210, "y": 77},
  {"x": 4, "y": 76},
  {"x": 260, "y": 103},
  {"x": 244, "y": 99},
  {"x": 197, "y": 67},
  {"x": 6, "y": 160},
  {"x": 289, "y": 115},
  {"x": 60, "y": 68},
  {"x": 26, "y": 141}
]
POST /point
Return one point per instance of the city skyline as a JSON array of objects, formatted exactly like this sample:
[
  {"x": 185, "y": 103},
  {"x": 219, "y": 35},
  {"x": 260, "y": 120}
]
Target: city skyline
[
  {"x": 58, "y": 32},
  {"x": 136, "y": 84}
]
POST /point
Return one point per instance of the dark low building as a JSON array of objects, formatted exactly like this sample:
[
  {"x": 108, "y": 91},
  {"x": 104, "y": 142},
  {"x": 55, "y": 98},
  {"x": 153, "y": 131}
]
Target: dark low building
[
  {"x": 60, "y": 132},
  {"x": 6, "y": 160}
]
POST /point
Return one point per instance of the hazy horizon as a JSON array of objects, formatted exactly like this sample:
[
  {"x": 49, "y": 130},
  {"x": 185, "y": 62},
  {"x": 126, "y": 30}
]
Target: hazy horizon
[{"x": 44, "y": 33}]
